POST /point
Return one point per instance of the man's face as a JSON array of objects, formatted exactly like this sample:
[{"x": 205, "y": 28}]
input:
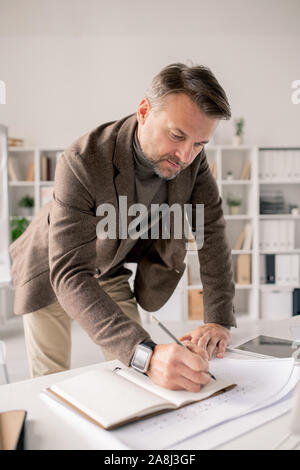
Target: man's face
[{"x": 174, "y": 134}]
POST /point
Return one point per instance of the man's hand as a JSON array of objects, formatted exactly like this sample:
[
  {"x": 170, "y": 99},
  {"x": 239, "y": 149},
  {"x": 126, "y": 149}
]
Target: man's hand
[
  {"x": 214, "y": 338},
  {"x": 176, "y": 368}
]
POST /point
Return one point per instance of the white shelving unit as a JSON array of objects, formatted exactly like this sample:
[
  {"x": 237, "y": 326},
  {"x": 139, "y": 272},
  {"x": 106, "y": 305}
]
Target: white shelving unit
[
  {"x": 19, "y": 160},
  {"x": 231, "y": 159},
  {"x": 227, "y": 159}
]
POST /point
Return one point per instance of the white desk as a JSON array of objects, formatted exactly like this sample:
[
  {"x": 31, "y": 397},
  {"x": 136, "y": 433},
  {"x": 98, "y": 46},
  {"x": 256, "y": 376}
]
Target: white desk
[{"x": 47, "y": 429}]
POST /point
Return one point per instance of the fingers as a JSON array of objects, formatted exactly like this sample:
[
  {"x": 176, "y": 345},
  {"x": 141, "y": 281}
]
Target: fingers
[
  {"x": 221, "y": 349},
  {"x": 204, "y": 340},
  {"x": 211, "y": 347},
  {"x": 186, "y": 337},
  {"x": 199, "y": 357},
  {"x": 191, "y": 370},
  {"x": 196, "y": 349},
  {"x": 190, "y": 380},
  {"x": 177, "y": 368},
  {"x": 215, "y": 340}
]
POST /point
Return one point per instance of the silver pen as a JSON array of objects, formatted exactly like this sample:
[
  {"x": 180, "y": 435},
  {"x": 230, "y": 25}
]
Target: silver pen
[{"x": 163, "y": 327}]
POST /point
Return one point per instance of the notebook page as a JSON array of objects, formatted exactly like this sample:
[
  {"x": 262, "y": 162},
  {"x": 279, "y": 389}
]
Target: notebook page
[
  {"x": 107, "y": 397},
  {"x": 176, "y": 397}
]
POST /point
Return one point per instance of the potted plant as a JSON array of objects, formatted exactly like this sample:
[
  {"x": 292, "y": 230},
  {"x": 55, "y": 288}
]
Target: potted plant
[
  {"x": 294, "y": 209},
  {"x": 229, "y": 175},
  {"x": 234, "y": 204},
  {"x": 26, "y": 203},
  {"x": 239, "y": 131},
  {"x": 18, "y": 226}
]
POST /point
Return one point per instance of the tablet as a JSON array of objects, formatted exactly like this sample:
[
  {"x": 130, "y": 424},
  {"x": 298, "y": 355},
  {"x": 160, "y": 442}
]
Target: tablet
[{"x": 268, "y": 346}]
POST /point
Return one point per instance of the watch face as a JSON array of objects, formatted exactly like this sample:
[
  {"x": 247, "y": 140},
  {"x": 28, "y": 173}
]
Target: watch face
[{"x": 141, "y": 358}]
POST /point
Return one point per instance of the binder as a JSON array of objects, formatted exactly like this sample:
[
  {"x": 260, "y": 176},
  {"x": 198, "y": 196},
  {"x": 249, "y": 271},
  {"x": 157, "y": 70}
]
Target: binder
[
  {"x": 262, "y": 269},
  {"x": 282, "y": 235},
  {"x": 279, "y": 270},
  {"x": 296, "y": 302},
  {"x": 243, "y": 269},
  {"x": 290, "y": 234},
  {"x": 270, "y": 269},
  {"x": 262, "y": 235},
  {"x": 294, "y": 265}
]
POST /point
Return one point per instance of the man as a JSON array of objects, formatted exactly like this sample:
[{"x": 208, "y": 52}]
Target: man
[{"x": 64, "y": 269}]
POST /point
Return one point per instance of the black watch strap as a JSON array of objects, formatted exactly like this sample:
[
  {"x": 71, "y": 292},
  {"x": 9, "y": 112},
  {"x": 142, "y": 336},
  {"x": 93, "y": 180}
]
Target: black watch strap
[{"x": 150, "y": 344}]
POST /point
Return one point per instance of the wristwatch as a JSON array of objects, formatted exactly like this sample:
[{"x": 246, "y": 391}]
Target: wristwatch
[{"x": 142, "y": 356}]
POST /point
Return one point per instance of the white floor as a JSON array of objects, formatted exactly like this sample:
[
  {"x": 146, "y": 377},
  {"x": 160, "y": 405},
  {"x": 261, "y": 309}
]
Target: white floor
[{"x": 84, "y": 351}]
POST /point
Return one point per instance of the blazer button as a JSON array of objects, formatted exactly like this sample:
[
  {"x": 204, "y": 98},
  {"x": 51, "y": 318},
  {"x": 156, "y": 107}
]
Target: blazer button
[{"x": 97, "y": 271}]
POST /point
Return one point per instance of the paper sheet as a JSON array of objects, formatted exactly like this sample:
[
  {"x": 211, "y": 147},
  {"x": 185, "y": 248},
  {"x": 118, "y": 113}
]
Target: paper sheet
[
  {"x": 223, "y": 433},
  {"x": 259, "y": 382}
]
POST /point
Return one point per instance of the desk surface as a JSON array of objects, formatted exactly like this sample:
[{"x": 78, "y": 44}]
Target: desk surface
[{"x": 46, "y": 429}]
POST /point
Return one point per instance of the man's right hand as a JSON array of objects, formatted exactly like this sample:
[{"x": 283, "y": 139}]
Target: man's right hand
[{"x": 176, "y": 368}]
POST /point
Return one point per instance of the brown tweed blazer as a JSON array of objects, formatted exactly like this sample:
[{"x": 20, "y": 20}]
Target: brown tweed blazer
[{"x": 59, "y": 256}]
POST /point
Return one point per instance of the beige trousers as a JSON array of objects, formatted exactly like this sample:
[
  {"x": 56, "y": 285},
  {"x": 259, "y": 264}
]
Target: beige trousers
[{"x": 48, "y": 330}]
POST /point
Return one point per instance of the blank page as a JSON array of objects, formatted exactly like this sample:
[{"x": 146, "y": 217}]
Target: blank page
[{"x": 107, "y": 397}]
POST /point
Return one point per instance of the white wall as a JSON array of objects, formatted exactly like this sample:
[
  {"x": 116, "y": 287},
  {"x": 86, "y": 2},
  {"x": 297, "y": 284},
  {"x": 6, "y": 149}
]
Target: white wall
[{"x": 63, "y": 79}]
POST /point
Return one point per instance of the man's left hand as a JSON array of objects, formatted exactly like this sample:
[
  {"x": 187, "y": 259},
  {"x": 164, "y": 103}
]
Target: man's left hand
[{"x": 214, "y": 338}]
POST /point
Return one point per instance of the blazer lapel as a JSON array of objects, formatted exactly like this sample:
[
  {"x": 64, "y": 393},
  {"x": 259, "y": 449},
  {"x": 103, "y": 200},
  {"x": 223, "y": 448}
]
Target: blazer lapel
[
  {"x": 123, "y": 161},
  {"x": 124, "y": 179}
]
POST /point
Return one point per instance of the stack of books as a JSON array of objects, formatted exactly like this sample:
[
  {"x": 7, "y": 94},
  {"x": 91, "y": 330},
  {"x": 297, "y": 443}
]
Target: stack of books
[
  {"x": 45, "y": 168},
  {"x": 244, "y": 241},
  {"x": 272, "y": 203}
]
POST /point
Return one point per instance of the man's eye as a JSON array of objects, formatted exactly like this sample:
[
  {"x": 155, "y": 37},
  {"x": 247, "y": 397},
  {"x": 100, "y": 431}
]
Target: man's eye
[{"x": 176, "y": 136}]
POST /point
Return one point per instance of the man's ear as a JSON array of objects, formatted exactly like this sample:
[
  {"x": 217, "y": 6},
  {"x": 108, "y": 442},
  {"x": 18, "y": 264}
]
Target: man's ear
[{"x": 143, "y": 110}]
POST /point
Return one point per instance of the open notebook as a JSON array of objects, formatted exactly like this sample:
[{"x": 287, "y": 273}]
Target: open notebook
[{"x": 113, "y": 398}]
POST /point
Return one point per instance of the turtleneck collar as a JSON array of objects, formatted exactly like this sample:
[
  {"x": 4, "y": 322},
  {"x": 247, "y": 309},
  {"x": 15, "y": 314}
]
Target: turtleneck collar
[{"x": 144, "y": 169}]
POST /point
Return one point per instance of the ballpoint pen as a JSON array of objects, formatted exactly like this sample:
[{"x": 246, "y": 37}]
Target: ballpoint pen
[{"x": 163, "y": 327}]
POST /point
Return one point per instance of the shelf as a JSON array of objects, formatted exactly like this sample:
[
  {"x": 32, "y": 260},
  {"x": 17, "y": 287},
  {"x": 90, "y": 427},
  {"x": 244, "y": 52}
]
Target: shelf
[
  {"x": 21, "y": 183},
  {"x": 236, "y": 182},
  {"x": 279, "y": 286},
  {"x": 237, "y": 286},
  {"x": 194, "y": 286},
  {"x": 280, "y": 181},
  {"x": 46, "y": 183},
  {"x": 295, "y": 251},
  {"x": 278, "y": 216},
  {"x": 238, "y": 217},
  {"x": 234, "y": 252},
  {"x": 21, "y": 149},
  {"x": 29, "y": 217}
]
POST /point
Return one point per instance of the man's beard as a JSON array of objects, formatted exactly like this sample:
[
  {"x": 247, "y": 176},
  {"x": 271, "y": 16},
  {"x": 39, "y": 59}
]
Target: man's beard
[{"x": 155, "y": 165}]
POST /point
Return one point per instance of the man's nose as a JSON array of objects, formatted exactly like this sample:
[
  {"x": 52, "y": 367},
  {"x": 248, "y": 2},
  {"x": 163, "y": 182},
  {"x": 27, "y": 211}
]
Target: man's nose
[{"x": 185, "y": 153}]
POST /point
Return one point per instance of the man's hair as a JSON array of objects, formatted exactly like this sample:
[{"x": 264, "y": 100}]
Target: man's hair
[{"x": 198, "y": 82}]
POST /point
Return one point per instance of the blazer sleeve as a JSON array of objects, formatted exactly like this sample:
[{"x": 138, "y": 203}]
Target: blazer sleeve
[
  {"x": 72, "y": 254},
  {"x": 215, "y": 258}
]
